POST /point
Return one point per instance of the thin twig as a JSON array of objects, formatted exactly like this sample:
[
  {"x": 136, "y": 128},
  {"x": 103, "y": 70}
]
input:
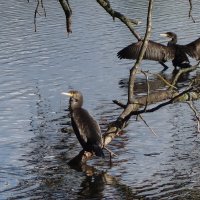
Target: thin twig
[
  {"x": 162, "y": 104},
  {"x": 37, "y": 12},
  {"x": 42, "y": 5},
  {"x": 184, "y": 70},
  {"x": 190, "y": 11},
  {"x": 35, "y": 15},
  {"x": 164, "y": 80},
  {"x": 147, "y": 124},
  {"x": 111, "y": 152},
  {"x": 119, "y": 104}
]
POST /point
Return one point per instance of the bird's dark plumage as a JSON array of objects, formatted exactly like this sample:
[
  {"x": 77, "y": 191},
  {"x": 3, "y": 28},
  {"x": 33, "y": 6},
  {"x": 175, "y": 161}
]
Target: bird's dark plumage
[
  {"x": 132, "y": 52},
  {"x": 85, "y": 127},
  {"x": 159, "y": 52}
]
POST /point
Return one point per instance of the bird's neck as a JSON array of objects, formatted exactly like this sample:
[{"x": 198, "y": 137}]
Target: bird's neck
[
  {"x": 173, "y": 41},
  {"x": 74, "y": 107}
]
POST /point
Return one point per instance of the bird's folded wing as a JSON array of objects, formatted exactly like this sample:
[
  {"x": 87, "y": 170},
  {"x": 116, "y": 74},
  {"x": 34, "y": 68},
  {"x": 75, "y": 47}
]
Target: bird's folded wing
[{"x": 88, "y": 128}]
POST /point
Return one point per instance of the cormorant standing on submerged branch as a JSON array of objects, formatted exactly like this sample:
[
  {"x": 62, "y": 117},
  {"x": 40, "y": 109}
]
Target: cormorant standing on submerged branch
[
  {"x": 159, "y": 52},
  {"x": 85, "y": 127}
]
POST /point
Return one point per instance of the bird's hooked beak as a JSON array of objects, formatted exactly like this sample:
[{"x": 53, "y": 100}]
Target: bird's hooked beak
[
  {"x": 67, "y": 93},
  {"x": 164, "y": 35}
]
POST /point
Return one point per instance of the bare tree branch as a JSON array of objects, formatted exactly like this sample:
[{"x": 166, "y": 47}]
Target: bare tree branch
[
  {"x": 164, "y": 80},
  {"x": 190, "y": 11},
  {"x": 133, "y": 105},
  {"x": 128, "y": 22},
  {"x": 136, "y": 67},
  {"x": 116, "y": 127},
  {"x": 35, "y": 15},
  {"x": 37, "y": 12},
  {"x": 147, "y": 124},
  {"x": 68, "y": 13},
  {"x": 175, "y": 98}
]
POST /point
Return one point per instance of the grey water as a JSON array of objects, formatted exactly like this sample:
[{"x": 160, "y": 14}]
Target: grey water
[{"x": 37, "y": 66}]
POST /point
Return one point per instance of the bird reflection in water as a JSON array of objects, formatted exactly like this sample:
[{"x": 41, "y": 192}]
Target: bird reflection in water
[
  {"x": 93, "y": 186},
  {"x": 101, "y": 185}
]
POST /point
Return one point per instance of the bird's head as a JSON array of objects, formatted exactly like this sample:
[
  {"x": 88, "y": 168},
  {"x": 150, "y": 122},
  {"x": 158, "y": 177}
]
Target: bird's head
[
  {"x": 169, "y": 35},
  {"x": 76, "y": 99}
]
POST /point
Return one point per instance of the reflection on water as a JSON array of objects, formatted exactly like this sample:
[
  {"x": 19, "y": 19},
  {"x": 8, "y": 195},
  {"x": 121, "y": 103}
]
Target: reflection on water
[{"x": 37, "y": 67}]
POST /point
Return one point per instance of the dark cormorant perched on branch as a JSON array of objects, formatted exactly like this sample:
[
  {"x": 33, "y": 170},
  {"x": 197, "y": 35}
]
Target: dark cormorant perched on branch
[
  {"x": 85, "y": 127},
  {"x": 159, "y": 52}
]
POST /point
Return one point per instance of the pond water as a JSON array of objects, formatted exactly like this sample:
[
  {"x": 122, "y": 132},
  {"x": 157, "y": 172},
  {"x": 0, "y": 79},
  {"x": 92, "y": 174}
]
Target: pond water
[{"x": 37, "y": 66}]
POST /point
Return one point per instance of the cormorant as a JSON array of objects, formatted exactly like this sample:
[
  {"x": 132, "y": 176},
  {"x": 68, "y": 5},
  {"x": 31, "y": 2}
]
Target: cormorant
[
  {"x": 85, "y": 127},
  {"x": 159, "y": 52}
]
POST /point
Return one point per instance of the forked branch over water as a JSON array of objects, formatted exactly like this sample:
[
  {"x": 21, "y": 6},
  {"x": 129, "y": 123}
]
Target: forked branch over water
[
  {"x": 66, "y": 8},
  {"x": 134, "y": 104},
  {"x": 39, "y": 3}
]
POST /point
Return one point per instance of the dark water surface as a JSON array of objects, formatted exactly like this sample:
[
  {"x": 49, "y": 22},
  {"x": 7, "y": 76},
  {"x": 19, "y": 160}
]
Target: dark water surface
[{"x": 37, "y": 67}]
